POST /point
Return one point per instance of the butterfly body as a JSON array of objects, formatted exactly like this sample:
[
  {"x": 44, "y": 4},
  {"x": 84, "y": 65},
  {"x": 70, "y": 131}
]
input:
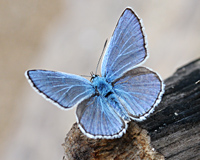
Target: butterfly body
[
  {"x": 101, "y": 86},
  {"x": 124, "y": 91},
  {"x": 105, "y": 90}
]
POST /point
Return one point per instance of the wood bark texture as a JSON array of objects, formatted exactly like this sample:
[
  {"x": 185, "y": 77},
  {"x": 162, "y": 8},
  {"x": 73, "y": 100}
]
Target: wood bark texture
[{"x": 172, "y": 132}]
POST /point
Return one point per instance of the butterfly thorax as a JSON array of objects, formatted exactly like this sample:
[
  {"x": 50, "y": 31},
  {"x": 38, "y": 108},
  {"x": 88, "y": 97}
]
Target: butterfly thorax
[{"x": 101, "y": 86}]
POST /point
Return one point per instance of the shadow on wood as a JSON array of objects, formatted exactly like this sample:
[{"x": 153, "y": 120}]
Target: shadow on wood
[{"x": 173, "y": 130}]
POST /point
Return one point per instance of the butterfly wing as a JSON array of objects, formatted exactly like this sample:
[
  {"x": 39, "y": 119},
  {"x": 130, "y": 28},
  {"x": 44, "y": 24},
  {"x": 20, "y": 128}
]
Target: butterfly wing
[
  {"x": 139, "y": 90},
  {"x": 127, "y": 47},
  {"x": 64, "y": 90},
  {"x": 98, "y": 120}
]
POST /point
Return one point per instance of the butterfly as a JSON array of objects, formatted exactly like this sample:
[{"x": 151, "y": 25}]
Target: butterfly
[{"x": 122, "y": 93}]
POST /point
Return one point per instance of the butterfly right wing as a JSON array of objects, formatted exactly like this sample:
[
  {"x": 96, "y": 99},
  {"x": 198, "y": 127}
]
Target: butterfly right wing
[
  {"x": 139, "y": 90},
  {"x": 127, "y": 47},
  {"x": 97, "y": 119},
  {"x": 64, "y": 90}
]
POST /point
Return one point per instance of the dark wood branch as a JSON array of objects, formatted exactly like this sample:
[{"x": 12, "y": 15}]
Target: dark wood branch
[
  {"x": 174, "y": 127},
  {"x": 172, "y": 131}
]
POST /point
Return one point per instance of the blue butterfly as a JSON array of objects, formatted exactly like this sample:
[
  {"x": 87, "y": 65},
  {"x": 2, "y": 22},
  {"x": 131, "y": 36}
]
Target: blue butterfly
[{"x": 124, "y": 91}]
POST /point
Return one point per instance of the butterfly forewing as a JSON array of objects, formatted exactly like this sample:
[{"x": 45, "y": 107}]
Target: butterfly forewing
[
  {"x": 64, "y": 89},
  {"x": 140, "y": 90},
  {"x": 98, "y": 120},
  {"x": 126, "y": 48}
]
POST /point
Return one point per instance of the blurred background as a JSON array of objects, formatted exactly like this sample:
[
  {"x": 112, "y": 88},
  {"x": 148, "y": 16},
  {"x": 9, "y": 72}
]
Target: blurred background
[{"x": 69, "y": 36}]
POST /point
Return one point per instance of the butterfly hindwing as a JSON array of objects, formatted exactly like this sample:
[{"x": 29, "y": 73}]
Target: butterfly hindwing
[
  {"x": 127, "y": 47},
  {"x": 140, "y": 90},
  {"x": 97, "y": 119},
  {"x": 63, "y": 89}
]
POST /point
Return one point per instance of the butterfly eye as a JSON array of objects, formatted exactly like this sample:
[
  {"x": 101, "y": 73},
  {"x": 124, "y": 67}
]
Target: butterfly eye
[{"x": 92, "y": 77}]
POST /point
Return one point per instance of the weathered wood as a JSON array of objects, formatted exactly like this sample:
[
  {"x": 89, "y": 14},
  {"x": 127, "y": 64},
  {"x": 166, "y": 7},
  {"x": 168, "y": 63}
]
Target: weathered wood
[
  {"x": 174, "y": 127},
  {"x": 135, "y": 144}
]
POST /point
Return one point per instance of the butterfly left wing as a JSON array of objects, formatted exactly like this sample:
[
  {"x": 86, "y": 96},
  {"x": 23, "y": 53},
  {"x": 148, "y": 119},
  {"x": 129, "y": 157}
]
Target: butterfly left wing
[
  {"x": 97, "y": 119},
  {"x": 127, "y": 47},
  {"x": 139, "y": 91},
  {"x": 64, "y": 90}
]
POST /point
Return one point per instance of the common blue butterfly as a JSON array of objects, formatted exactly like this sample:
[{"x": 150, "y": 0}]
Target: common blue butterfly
[{"x": 124, "y": 91}]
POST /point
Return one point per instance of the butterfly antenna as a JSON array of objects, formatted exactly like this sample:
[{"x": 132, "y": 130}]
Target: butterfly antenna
[
  {"x": 101, "y": 55},
  {"x": 85, "y": 76}
]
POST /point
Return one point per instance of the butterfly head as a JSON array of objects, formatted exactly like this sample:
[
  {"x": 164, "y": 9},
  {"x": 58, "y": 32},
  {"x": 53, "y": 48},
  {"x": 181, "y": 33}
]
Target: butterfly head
[{"x": 93, "y": 76}]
